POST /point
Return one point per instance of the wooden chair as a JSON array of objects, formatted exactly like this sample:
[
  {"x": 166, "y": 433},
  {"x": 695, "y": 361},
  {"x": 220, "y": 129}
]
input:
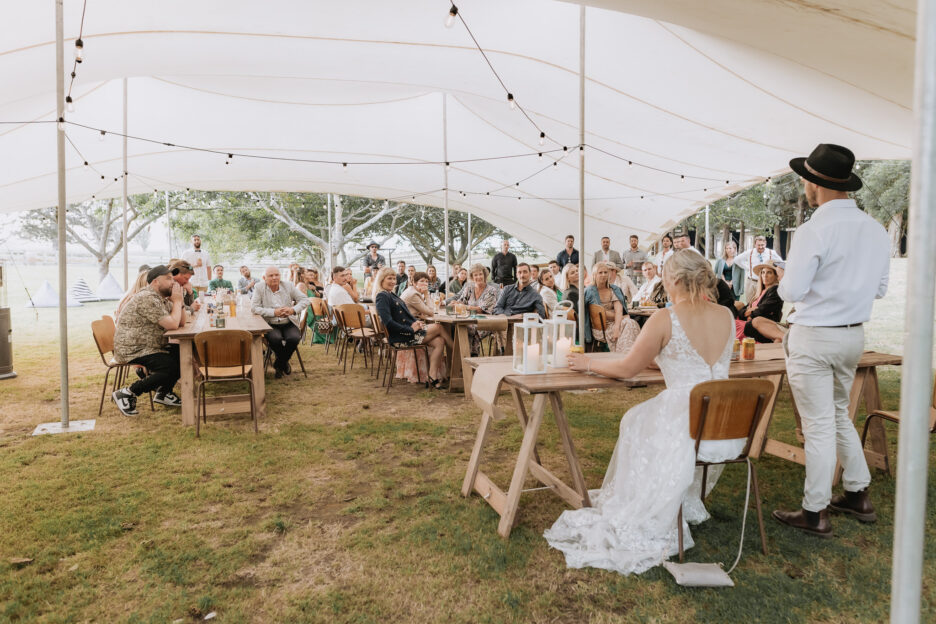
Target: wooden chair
[
  {"x": 223, "y": 357},
  {"x": 392, "y": 350},
  {"x": 894, "y": 417},
  {"x": 103, "y": 331},
  {"x": 727, "y": 409},
  {"x": 320, "y": 310},
  {"x": 268, "y": 356},
  {"x": 599, "y": 320},
  {"x": 353, "y": 320}
]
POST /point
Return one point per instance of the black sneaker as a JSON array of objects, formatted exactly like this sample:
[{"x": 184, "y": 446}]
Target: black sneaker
[
  {"x": 125, "y": 401},
  {"x": 169, "y": 399}
]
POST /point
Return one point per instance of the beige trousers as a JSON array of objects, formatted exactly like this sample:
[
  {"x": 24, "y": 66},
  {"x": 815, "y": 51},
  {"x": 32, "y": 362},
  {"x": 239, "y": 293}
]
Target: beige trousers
[{"x": 821, "y": 363}]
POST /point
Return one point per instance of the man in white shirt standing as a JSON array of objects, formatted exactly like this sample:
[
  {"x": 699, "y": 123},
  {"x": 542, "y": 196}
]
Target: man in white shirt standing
[
  {"x": 838, "y": 265},
  {"x": 198, "y": 259},
  {"x": 756, "y": 256}
]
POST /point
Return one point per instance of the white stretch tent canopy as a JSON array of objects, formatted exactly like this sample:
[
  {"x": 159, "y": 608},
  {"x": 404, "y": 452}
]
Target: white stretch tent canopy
[{"x": 721, "y": 91}]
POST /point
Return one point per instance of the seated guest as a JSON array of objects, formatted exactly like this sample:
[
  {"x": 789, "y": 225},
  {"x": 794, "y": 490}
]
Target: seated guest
[
  {"x": 140, "y": 339},
  {"x": 534, "y": 273},
  {"x": 315, "y": 281},
  {"x": 416, "y": 297},
  {"x": 245, "y": 285},
  {"x": 280, "y": 303},
  {"x": 350, "y": 284},
  {"x": 457, "y": 282},
  {"x": 480, "y": 297},
  {"x": 293, "y": 269},
  {"x": 182, "y": 273},
  {"x": 404, "y": 328},
  {"x": 650, "y": 281},
  {"x": 401, "y": 277},
  {"x": 571, "y": 292},
  {"x": 546, "y": 287},
  {"x": 726, "y": 296},
  {"x": 618, "y": 277},
  {"x": 139, "y": 284},
  {"x": 435, "y": 283},
  {"x": 621, "y": 330},
  {"x": 766, "y": 303},
  {"x": 305, "y": 284},
  {"x": 554, "y": 267},
  {"x": 521, "y": 297},
  {"x": 337, "y": 293},
  {"x": 219, "y": 281}
]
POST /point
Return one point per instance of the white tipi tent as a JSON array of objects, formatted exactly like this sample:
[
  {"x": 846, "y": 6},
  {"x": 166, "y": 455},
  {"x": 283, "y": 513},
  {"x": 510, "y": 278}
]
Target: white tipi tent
[
  {"x": 82, "y": 292},
  {"x": 46, "y": 297},
  {"x": 109, "y": 289}
]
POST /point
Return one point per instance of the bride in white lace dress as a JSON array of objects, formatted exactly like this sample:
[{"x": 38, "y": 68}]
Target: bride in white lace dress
[{"x": 631, "y": 526}]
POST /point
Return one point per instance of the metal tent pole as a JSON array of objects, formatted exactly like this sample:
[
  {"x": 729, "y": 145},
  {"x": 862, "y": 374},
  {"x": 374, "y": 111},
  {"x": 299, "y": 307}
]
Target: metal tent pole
[
  {"x": 445, "y": 197},
  {"x": 61, "y": 213},
  {"x": 581, "y": 284},
  {"x": 169, "y": 224},
  {"x": 469, "y": 238},
  {"x": 328, "y": 256},
  {"x": 917, "y": 377},
  {"x": 708, "y": 238},
  {"x": 123, "y": 235}
]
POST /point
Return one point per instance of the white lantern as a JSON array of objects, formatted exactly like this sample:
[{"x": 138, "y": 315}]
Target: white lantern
[
  {"x": 528, "y": 346},
  {"x": 560, "y": 337}
]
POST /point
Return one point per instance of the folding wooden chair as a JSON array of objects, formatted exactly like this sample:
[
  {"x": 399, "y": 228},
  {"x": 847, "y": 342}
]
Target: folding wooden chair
[
  {"x": 223, "y": 357},
  {"x": 728, "y": 409},
  {"x": 894, "y": 417},
  {"x": 103, "y": 332},
  {"x": 353, "y": 320},
  {"x": 392, "y": 350},
  {"x": 599, "y": 320}
]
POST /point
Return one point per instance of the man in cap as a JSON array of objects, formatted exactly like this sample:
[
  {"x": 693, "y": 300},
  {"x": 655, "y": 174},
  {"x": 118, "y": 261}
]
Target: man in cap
[
  {"x": 140, "y": 339},
  {"x": 373, "y": 261},
  {"x": 838, "y": 265}
]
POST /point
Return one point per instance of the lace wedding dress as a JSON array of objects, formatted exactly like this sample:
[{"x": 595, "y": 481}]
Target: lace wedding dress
[{"x": 631, "y": 526}]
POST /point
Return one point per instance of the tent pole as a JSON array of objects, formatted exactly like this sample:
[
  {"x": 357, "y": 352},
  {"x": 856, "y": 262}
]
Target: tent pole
[
  {"x": 469, "y": 238},
  {"x": 328, "y": 256},
  {"x": 169, "y": 224},
  {"x": 917, "y": 375},
  {"x": 581, "y": 215},
  {"x": 708, "y": 239},
  {"x": 62, "y": 212},
  {"x": 123, "y": 234},
  {"x": 445, "y": 210}
]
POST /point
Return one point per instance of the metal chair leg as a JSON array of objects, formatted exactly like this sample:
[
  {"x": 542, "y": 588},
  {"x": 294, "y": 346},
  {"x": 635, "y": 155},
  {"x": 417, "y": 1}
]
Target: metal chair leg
[{"x": 104, "y": 391}]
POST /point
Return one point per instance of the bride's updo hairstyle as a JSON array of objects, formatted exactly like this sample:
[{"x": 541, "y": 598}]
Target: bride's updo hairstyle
[{"x": 694, "y": 273}]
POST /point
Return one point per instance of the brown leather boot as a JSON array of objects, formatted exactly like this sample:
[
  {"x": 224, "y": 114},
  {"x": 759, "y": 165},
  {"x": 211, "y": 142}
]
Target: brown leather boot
[
  {"x": 855, "y": 503},
  {"x": 812, "y": 522}
]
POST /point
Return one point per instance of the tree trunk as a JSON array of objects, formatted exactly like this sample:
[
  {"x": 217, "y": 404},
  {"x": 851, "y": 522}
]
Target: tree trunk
[
  {"x": 894, "y": 231},
  {"x": 103, "y": 267},
  {"x": 741, "y": 237},
  {"x": 726, "y": 236},
  {"x": 337, "y": 236},
  {"x": 776, "y": 235}
]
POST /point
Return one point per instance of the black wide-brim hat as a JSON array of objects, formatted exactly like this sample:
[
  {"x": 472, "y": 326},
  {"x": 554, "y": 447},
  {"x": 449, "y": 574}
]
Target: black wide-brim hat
[
  {"x": 372, "y": 244},
  {"x": 829, "y": 166}
]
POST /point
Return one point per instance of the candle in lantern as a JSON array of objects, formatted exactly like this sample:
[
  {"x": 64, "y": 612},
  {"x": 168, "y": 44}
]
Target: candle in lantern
[
  {"x": 563, "y": 349},
  {"x": 533, "y": 356}
]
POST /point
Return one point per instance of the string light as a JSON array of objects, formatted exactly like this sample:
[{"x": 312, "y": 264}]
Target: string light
[
  {"x": 540, "y": 157},
  {"x": 448, "y": 166},
  {"x": 61, "y": 124},
  {"x": 511, "y": 102},
  {"x": 79, "y": 50},
  {"x": 102, "y": 135},
  {"x": 69, "y": 104},
  {"x": 74, "y": 80},
  {"x": 452, "y": 14},
  {"x": 542, "y": 140}
]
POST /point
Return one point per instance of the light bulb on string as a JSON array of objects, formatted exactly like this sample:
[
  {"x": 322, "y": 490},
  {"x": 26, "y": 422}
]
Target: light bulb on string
[
  {"x": 61, "y": 124},
  {"x": 682, "y": 177},
  {"x": 450, "y": 18},
  {"x": 542, "y": 140},
  {"x": 74, "y": 80},
  {"x": 102, "y": 135},
  {"x": 86, "y": 163},
  {"x": 344, "y": 166},
  {"x": 69, "y": 104},
  {"x": 511, "y": 102},
  {"x": 448, "y": 166},
  {"x": 540, "y": 157},
  {"x": 630, "y": 163},
  {"x": 79, "y": 50}
]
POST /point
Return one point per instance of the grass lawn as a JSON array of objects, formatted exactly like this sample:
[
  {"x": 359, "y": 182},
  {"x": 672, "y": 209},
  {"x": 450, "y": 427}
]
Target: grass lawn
[{"x": 346, "y": 508}]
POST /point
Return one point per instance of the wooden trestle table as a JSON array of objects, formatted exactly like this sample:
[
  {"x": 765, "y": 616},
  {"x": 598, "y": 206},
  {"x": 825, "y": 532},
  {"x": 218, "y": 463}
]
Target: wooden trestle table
[
  {"x": 547, "y": 388},
  {"x": 229, "y": 404}
]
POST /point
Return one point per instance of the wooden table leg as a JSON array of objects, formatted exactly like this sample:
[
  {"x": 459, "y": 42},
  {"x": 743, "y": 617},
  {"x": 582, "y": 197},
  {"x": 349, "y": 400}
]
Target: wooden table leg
[
  {"x": 460, "y": 374},
  {"x": 256, "y": 373},
  {"x": 878, "y": 452},
  {"x": 760, "y": 436},
  {"x": 508, "y": 348},
  {"x": 578, "y": 479},
  {"x": 522, "y": 416},
  {"x": 522, "y": 467},
  {"x": 187, "y": 382},
  {"x": 475, "y": 461}
]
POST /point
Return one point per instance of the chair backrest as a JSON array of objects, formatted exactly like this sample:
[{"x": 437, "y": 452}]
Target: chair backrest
[
  {"x": 223, "y": 348},
  {"x": 727, "y": 409},
  {"x": 319, "y": 307},
  {"x": 302, "y": 323},
  {"x": 598, "y": 316},
  {"x": 352, "y": 315},
  {"x": 103, "y": 331},
  {"x": 379, "y": 328}
]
